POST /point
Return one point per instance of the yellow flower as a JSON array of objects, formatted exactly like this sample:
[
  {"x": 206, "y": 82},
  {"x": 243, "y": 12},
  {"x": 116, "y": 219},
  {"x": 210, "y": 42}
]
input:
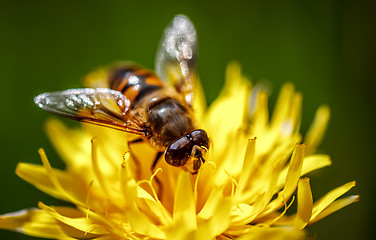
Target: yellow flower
[{"x": 243, "y": 190}]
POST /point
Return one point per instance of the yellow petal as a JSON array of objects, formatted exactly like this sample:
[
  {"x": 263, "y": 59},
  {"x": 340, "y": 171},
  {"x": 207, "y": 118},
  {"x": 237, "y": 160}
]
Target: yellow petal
[
  {"x": 97, "y": 170},
  {"x": 229, "y": 161},
  {"x": 199, "y": 101},
  {"x": 294, "y": 116},
  {"x": 248, "y": 167},
  {"x": 184, "y": 215},
  {"x": 128, "y": 185},
  {"x": 245, "y": 213},
  {"x": 317, "y": 129},
  {"x": 329, "y": 198},
  {"x": 72, "y": 146},
  {"x": 38, "y": 223},
  {"x": 98, "y": 78},
  {"x": 204, "y": 184},
  {"x": 32, "y": 219},
  {"x": 234, "y": 79},
  {"x": 37, "y": 175},
  {"x": 80, "y": 223},
  {"x": 305, "y": 204},
  {"x": 291, "y": 181},
  {"x": 260, "y": 117},
  {"x": 310, "y": 163},
  {"x": 222, "y": 117},
  {"x": 212, "y": 202},
  {"x": 214, "y": 218},
  {"x": 75, "y": 148},
  {"x": 141, "y": 224},
  {"x": 282, "y": 106},
  {"x": 150, "y": 204},
  {"x": 294, "y": 171},
  {"x": 335, "y": 206}
]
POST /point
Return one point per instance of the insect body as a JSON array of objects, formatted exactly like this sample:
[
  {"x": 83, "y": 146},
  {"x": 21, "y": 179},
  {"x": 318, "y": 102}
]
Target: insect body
[{"x": 135, "y": 100}]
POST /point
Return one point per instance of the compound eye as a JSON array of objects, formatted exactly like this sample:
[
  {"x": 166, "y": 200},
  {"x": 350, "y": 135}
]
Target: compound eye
[
  {"x": 200, "y": 138},
  {"x": 177, "y": 154}
]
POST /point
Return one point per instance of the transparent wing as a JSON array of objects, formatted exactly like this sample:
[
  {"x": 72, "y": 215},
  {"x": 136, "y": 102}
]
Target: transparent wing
[
  {"x": 100, "y": 106},
  {"x": 176, "y": 56}
]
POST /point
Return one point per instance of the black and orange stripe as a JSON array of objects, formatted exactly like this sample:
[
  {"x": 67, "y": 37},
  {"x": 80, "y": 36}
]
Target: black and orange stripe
[{"x": 134, "y": 82}]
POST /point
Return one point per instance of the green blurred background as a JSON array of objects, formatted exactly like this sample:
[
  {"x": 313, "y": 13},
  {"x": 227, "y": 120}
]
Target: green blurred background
[{"x": 324, "y": 47}]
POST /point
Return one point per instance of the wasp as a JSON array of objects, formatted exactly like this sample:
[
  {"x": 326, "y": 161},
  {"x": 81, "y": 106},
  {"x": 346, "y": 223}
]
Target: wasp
[{"x": 155, "y": 106}]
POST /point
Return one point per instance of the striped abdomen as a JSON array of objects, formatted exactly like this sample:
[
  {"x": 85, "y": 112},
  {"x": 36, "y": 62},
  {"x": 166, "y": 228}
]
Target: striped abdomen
[
  {"x": 162, "y": 109},
  {"x": 134, "y": 82}
]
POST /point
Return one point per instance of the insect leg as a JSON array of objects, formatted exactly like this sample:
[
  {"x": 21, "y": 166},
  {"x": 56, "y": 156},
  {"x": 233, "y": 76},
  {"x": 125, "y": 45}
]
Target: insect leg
[
  {"x": 157, "y": 157},
  {"x": 136, "y": 141},
  {"x": 160, "y": 187},
  {"x": 135, "y": 160}
]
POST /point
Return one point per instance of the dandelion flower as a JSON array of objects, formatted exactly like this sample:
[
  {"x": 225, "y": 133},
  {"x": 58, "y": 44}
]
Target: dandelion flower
[{"x": 254, "y": 172}]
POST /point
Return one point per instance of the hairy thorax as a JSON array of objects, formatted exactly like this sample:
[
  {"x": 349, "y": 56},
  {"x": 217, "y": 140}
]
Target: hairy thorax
[{"x": 167, "y": 117}]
